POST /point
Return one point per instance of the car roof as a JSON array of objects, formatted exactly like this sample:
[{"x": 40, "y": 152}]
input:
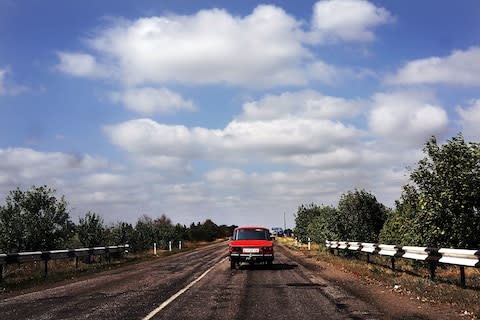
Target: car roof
[{"x": 250, "y": 227}]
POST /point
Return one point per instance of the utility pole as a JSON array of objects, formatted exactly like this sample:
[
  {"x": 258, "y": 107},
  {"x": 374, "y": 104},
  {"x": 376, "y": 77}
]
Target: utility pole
[{"x": 284, "y": 223}]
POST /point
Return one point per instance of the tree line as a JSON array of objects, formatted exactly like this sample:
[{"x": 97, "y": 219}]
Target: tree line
[
  {"x": 438, "y": 207},
  {"x": 37, "y": 220}
]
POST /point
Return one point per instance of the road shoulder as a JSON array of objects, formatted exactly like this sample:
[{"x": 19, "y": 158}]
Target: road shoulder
[{"x": 383, "y": 298}]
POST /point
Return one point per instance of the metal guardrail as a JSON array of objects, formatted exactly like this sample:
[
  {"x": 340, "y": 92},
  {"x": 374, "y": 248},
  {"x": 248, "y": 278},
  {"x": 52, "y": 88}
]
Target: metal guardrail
[
  {"x": 369, "y": 247},
  {"x": 355, "y": 246},
  {"x": 342, "y": 245},
  {"x": 463, "y": 257},
  {"x": 459, "y": 257},
  {"x": 45, "y": 256}
]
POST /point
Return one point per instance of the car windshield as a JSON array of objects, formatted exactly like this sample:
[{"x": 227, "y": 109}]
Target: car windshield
[{"x": 252, "y": 234}]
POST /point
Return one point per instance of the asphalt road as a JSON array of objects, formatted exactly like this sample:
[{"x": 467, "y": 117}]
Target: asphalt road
[{"x": 287, "y": 291}]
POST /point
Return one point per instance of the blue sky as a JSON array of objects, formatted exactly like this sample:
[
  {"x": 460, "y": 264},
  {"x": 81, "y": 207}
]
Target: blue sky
[{"x": 236, "y": 111}]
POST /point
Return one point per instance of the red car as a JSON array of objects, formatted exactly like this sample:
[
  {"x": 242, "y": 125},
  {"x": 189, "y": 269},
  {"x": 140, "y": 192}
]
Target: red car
[{"x": 252, "y": 245}]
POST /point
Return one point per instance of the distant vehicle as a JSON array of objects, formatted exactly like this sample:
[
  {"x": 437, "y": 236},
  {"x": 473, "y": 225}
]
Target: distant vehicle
[
  {"x": 252, "y": 245},
  {"x": 277, "y": 232}
]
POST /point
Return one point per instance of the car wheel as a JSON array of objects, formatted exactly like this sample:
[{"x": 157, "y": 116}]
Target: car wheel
[{"x": 232, "y": 264}]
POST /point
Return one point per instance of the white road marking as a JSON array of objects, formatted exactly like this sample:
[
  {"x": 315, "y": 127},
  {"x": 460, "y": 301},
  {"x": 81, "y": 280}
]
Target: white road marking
[{"x": 179, "y": 293}]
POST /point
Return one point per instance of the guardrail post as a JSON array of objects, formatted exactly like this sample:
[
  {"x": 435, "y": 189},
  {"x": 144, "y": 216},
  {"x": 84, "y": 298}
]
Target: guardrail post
[
  {"x": 46, "y": 267},
  {"x": 170, "y": 246},
  {"x": 433, "y": 267},
  {"x": 180, "y": 245},
  {"x": 155, "y": 248},
  {"x": 462, "y": 276},
  {"x": 392, "y": 260},
  {"x": 1, "y": 272},
  {"x": 309, "y": 244},
  {"x": 45, "y": 256},
  {"x": 76, "y": 262}
]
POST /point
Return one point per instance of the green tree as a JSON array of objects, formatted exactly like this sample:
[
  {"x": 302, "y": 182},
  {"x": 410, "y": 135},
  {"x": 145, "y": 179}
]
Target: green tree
[
  {"x": 208, "y": 231},
  {"x": 324, "y": 225},
  {"x": 164, "y": 231},
  {"x": 181, "y": 232},
  {"x": 34, "y": 220},
  {"x": 447, "y": 181},
  {"x": 121, "y": 233},
  {"x": 304, "y": 217},
  {"x": 149, "y": 231},
  {"x": 398, "y": 226},
  {"x": 144, "y": 234},
  {"x": 91, "y": 230},
  {"x": 360, "y": 216},
  {"x": 226, "y": 231},
  {"x": 196, "y": 232}
]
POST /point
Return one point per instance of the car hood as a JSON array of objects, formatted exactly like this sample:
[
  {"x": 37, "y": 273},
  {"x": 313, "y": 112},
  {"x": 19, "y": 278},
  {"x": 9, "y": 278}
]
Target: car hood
[{"x": 251, "y": 243}]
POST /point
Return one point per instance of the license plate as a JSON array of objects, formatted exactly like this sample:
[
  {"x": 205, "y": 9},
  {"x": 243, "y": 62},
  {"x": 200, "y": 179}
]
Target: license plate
[{"x": 251, "y": 250}]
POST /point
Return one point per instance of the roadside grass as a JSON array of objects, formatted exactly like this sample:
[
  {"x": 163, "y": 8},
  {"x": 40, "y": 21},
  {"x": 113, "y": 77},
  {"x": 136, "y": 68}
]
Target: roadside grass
[
  {"x": 25, "y": 276},
  {"x": 410, "y": 277}
]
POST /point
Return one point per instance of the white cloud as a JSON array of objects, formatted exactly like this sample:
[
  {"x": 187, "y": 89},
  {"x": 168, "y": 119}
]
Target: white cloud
[
  {"x": 470, "y": 119},
  {"x": 226, "y": 194},
  {"x": 297, "y": 128},
  {"x": 359, "y": 156},
  {"x": 337, "y": 158},
  {"x": 149, "y": 101},
  {"x": 226, "y": 175},
  {"x": 239, "y": 141},
  {"x": 3, "y": 73},
  {"x": 78, "y": 64},
  {"x": 325, "y": 73},
  {"x": 273, "y": 193},
  {"x": 347, "y": 20},
  {"x": 83, "y": 179},
  {"x": 459, "y": 68},
  {"x": 334, "y": 75},
  {"x": 23, "y": 167},
  {"x": 406, "y": 117},
  {"x": 116, "y": 196},
  {"x": 307, "y": 104},
  {"x": 223, "y": 194},
  {"x": 29, "y": 164},
  {"x": 266, "y": 48},
  {"x": 107, "y": 189},
  {"x": 8, "y": 88},
  {"x": 211, "y": 46},
  {"x": 103, "y": 180}
]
